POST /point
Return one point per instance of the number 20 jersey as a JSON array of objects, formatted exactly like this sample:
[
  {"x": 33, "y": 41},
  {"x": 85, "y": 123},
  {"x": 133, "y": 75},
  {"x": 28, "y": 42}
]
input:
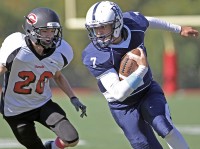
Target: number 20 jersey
[{"x": 26, "y": 83}]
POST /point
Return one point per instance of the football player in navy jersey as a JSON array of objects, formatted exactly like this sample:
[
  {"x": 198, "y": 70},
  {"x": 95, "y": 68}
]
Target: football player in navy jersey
[
  {"x": 137, "y": 103},
  {"x": 28, "y": 62}
]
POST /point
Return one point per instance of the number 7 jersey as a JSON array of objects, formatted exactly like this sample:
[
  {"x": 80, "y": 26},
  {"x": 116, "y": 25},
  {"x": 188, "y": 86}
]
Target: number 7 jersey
[{"x": 26, "y": 82}]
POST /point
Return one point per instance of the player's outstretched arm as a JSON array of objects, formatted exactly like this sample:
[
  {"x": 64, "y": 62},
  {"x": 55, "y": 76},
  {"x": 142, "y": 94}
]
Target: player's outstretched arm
[
  {"x": 186, "y": 31},
  {"x": 65, "y": 86}
]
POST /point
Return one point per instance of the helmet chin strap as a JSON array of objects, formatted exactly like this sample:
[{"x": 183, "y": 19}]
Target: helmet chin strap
[
  {"x": 113, "y": 40},
  {"x": 45, "y": 46},
  {"x": 45, "y": 50},
  {"x": 103, "y": 44}
]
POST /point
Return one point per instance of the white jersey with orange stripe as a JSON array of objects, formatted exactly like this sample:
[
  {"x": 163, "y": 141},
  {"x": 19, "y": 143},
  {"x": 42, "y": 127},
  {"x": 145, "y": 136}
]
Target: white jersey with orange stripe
[{"x": 26, "y": 83}]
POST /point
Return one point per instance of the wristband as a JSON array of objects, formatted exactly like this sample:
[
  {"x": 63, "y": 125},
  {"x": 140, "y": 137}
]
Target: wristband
[{"x": 136, "y": 77}]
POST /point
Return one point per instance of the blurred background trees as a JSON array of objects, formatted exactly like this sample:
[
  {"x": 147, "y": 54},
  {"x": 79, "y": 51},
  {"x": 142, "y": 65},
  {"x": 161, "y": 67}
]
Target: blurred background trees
[{"x": 12, "y": 14}]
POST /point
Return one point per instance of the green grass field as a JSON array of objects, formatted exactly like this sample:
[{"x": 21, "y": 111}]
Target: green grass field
[{"x": 99, "y": 131}]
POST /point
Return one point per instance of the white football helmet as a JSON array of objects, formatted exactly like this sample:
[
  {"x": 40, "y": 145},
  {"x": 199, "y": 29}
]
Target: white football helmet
[{"x": 101, "y": 14}]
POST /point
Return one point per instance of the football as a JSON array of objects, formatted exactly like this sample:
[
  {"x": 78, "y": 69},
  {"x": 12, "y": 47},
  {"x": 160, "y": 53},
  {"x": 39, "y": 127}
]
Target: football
[{"x": 127, "y": 65}]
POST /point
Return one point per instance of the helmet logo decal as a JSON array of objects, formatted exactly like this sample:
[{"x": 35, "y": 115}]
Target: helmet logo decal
[{"x": 31, "y": 19}]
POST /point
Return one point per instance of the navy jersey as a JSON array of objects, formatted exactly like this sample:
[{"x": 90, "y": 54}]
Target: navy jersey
[{"x": 98, "y": 61}]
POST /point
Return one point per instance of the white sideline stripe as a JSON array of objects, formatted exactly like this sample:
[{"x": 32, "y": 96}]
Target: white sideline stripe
[
  {"x": 13, "y": 143},
  {"x": 185, "y": 129},
  {"x": 189, "y": 129}
]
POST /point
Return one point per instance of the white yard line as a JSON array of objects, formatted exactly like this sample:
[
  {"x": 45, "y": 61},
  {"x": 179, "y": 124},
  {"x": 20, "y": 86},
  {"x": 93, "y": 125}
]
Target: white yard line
[
  {"x": 12, "y": 143},
  {"x": 189, "y": 129}
]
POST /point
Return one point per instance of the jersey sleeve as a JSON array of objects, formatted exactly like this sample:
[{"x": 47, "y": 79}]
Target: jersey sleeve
[
  {"x": 66, "y": 53},
  {"x": 137, "y": 19},
  {"x": 11, "y": 43},
  {"x": 97, "y": 62},
  {"x": 156, "y": 23}
]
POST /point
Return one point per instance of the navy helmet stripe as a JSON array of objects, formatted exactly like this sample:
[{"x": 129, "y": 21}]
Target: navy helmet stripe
[{"x": 94, "y": 11}]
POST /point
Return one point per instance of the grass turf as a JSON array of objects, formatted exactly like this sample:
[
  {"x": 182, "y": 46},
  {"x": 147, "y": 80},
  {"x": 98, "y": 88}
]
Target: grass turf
[{"x": 99, "y": 130}]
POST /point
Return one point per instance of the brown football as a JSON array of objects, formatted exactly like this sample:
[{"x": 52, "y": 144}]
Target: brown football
[{"x": 127, "y": 65}]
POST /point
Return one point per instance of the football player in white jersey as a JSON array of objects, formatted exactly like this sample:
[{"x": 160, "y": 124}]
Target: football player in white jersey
[
  {"x": 137, "y": 103},
  {"x": 28, "y": 61}
]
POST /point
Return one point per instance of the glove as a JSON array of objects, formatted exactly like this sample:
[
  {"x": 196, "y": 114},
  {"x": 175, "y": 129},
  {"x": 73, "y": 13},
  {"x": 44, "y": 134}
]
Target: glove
[{"x": 78, "y": 105}]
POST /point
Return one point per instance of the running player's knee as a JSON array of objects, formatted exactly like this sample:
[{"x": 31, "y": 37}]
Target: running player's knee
[
  {"x": 67, "y": 133},
  {"x": 162, "y": 126},
  {"x": 63, "y": 128}
]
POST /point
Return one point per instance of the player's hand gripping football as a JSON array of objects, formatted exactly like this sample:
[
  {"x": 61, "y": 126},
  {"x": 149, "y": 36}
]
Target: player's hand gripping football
[
  {"x": 78, "y": 105},
  {"x": 140, "y": 59}
]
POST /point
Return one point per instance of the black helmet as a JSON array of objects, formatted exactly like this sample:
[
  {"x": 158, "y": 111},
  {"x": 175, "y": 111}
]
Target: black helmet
[{"x": 43, "y": 18}]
